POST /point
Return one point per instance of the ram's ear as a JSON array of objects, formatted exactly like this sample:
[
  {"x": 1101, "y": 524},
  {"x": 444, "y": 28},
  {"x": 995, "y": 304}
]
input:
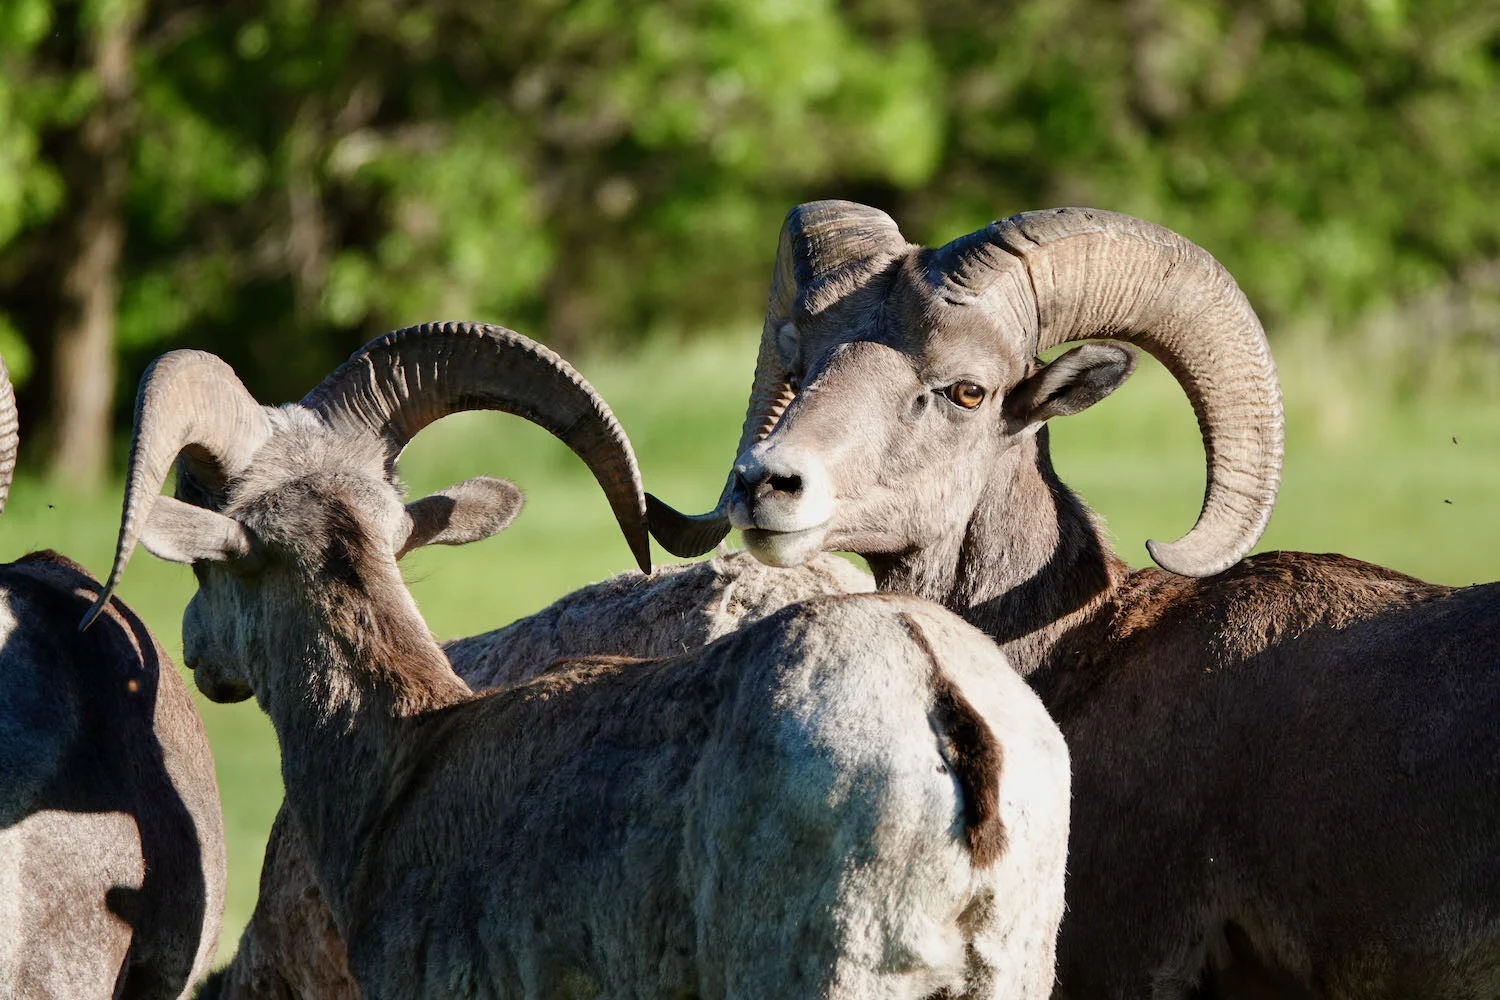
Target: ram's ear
[
  {"x": 179, "y": 532},
  {"x": 465, "y": 512},
  {"x": 1073, "y": 382}
]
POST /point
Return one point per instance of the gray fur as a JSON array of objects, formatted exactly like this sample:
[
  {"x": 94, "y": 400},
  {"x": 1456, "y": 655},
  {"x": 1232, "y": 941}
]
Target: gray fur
[
  {"x": 111, "y": 840},
  {"x": 291, "y": 949},
  {"x": 1284, "y": 773},
  {"x": 781, "y": 813},
  {"x": 676, "y": 609}
]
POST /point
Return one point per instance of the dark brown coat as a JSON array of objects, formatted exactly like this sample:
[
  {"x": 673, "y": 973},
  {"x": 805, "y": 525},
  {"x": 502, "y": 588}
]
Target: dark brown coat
[
  {"x": 1284, "y": 770},
  {"x": 111, "y": 840}
]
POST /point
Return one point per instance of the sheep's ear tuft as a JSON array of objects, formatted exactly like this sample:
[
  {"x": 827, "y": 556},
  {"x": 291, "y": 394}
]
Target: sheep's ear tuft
[
  {"x": 182, "y": 533},
  {"x": 1073, "y": 382},
  {"x": 465, "y": 512}
]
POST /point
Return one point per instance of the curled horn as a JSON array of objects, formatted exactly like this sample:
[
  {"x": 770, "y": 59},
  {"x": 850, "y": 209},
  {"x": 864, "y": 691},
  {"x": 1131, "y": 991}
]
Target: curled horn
[
  {"x": 188, "y": 401},
  {"x": 9, "y": 433},
  {"x": 398, "y": 384},
  {"x": 826, "y": 249},
  {"x": 1100, "y": 274}
]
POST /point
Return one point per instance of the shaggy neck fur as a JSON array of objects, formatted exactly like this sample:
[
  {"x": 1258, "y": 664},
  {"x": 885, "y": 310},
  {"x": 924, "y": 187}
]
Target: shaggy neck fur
[
  {"x": 1030, "y": 565},
  {"x": 343, "y": 691}
]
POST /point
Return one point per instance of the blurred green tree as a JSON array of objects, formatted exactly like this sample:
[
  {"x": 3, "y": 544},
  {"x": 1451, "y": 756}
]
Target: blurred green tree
[
  {"x": 77, "y": 85},
  {"x": 281, "y": 179}
]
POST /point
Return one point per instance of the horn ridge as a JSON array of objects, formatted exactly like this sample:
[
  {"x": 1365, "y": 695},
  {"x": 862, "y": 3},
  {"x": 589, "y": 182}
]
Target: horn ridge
[
  {"x": 401, "y": 382},
  {"x": 10, "y": 435},
  {"x": 186, "y": 400},
  {"x": 1101, "y": 274}
]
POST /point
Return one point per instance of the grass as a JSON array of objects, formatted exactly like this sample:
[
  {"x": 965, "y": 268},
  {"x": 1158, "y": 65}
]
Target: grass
[{"x": 1407, "y": 480}]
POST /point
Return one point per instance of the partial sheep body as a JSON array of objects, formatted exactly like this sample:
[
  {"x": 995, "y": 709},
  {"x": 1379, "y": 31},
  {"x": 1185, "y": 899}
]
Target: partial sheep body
[
  {"x": 773, "y": 817},
  {"x": 853, "y": 797},
  {"x": 111, "y": 839},
  {"x": 675, "y": 609},
  {"x": 1283, "y": 766},
  {"x": 1325, "y": 727},
  {"x": 291, "y": 947}
]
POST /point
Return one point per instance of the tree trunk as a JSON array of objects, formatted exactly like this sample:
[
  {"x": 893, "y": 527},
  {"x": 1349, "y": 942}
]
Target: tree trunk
[{"x": 83, "y": 368}]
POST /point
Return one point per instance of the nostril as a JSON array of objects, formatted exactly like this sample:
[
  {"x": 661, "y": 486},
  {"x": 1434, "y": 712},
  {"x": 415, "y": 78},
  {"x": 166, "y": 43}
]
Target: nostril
[
  {"x": 786, "y": 484},
  {"x": 748, "y": 480}
]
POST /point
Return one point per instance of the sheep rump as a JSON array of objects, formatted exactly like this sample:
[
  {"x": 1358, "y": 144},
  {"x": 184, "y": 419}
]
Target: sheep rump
[{"x": 835, "y": 862}]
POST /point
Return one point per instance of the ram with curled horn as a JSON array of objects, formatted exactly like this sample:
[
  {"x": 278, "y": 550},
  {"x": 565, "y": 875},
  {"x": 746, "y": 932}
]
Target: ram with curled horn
[
  {"x": 111, "y": 840},
  {"x": 192, "y": 409},
  {"x": 778, "y": 813},
  {"x": 291, "y": 946},
  {"x": 1283, "y": 764}
]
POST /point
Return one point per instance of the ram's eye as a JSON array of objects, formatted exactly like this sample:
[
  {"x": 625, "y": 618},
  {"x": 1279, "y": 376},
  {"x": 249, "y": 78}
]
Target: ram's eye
[{"x": 965, "y": 394}]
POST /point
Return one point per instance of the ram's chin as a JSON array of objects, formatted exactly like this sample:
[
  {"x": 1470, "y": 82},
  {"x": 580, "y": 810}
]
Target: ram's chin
[
  {"x": 785, "y": 548},
  {"x": 220, "y": 690}
]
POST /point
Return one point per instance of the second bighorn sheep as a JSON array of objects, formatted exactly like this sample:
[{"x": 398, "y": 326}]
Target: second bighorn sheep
[
  {"x": 111, "y": 841},
  {"x": 854, "y": 797},
  {"x": 1284, "y": 768},
  {"x": 291, "y": 947}
]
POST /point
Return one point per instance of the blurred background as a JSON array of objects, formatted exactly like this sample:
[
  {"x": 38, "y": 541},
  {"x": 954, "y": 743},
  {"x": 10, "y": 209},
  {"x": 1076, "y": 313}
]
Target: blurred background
[{"x": 277, "y": 182}]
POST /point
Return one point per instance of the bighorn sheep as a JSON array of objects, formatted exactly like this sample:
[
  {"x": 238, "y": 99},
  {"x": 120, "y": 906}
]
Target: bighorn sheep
[
  {"x": 111, "y": 842},
  {"x": 816, "y": 805},
  {"x": 1283, "y": 767},
  {"x": 291, "y": 949}
]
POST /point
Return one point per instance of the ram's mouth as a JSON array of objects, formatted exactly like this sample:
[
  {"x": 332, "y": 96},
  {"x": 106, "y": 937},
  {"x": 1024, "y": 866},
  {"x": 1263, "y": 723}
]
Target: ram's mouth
[
  {"x": 785, "y": 548},
  {"x": 215, "y": 688}
]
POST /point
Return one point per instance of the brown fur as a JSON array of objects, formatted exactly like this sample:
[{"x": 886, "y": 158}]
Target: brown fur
[
  {"x": 303, "y": 929},
  {"x": 973, "y": 753},
  {"x": 1301, "y": 746}
]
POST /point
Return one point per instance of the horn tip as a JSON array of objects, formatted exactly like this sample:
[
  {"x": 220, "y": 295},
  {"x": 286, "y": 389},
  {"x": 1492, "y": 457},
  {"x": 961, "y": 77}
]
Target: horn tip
[
  {"x": 1174, "y": 557},
  {"x": 683, "y": 535},
  {"x": 94, "y": 611},
  {"x": 640, "y": 547}
]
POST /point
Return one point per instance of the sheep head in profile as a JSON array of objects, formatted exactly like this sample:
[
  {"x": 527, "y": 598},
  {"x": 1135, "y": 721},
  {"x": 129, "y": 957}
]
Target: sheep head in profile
[
  {"x": 252, "y": 558},
  {"x": 931, "y": 354}
]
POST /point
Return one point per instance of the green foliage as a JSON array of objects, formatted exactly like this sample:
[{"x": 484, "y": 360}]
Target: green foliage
[
  {"x": 1335, "y": 155},
  {"x": 305, "y": 175},
  {"x": 462, "y": 236},
  {"x": 29, "y": 192},
  {"x": 15, "y": 353}
]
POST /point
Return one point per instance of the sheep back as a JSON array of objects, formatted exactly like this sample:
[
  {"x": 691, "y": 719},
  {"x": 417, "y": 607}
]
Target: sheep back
[
  {"x": 111, "y": 839},
  {"x": 291, "y": 948},
  {"x": 779, "y": 813},
  {"x": 678, "y": 608}
]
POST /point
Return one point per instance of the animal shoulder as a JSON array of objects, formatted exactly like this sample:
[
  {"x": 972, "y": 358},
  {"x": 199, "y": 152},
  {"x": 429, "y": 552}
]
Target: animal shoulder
[{"x": 1273, "y": 595}]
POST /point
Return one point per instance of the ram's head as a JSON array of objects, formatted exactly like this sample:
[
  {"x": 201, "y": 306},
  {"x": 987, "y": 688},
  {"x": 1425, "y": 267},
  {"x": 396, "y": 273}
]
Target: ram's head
[{"x": 894, "y": 382}]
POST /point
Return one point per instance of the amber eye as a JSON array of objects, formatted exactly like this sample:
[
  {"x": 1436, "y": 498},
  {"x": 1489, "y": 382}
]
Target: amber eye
[{"x": 965, "y": 394}]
